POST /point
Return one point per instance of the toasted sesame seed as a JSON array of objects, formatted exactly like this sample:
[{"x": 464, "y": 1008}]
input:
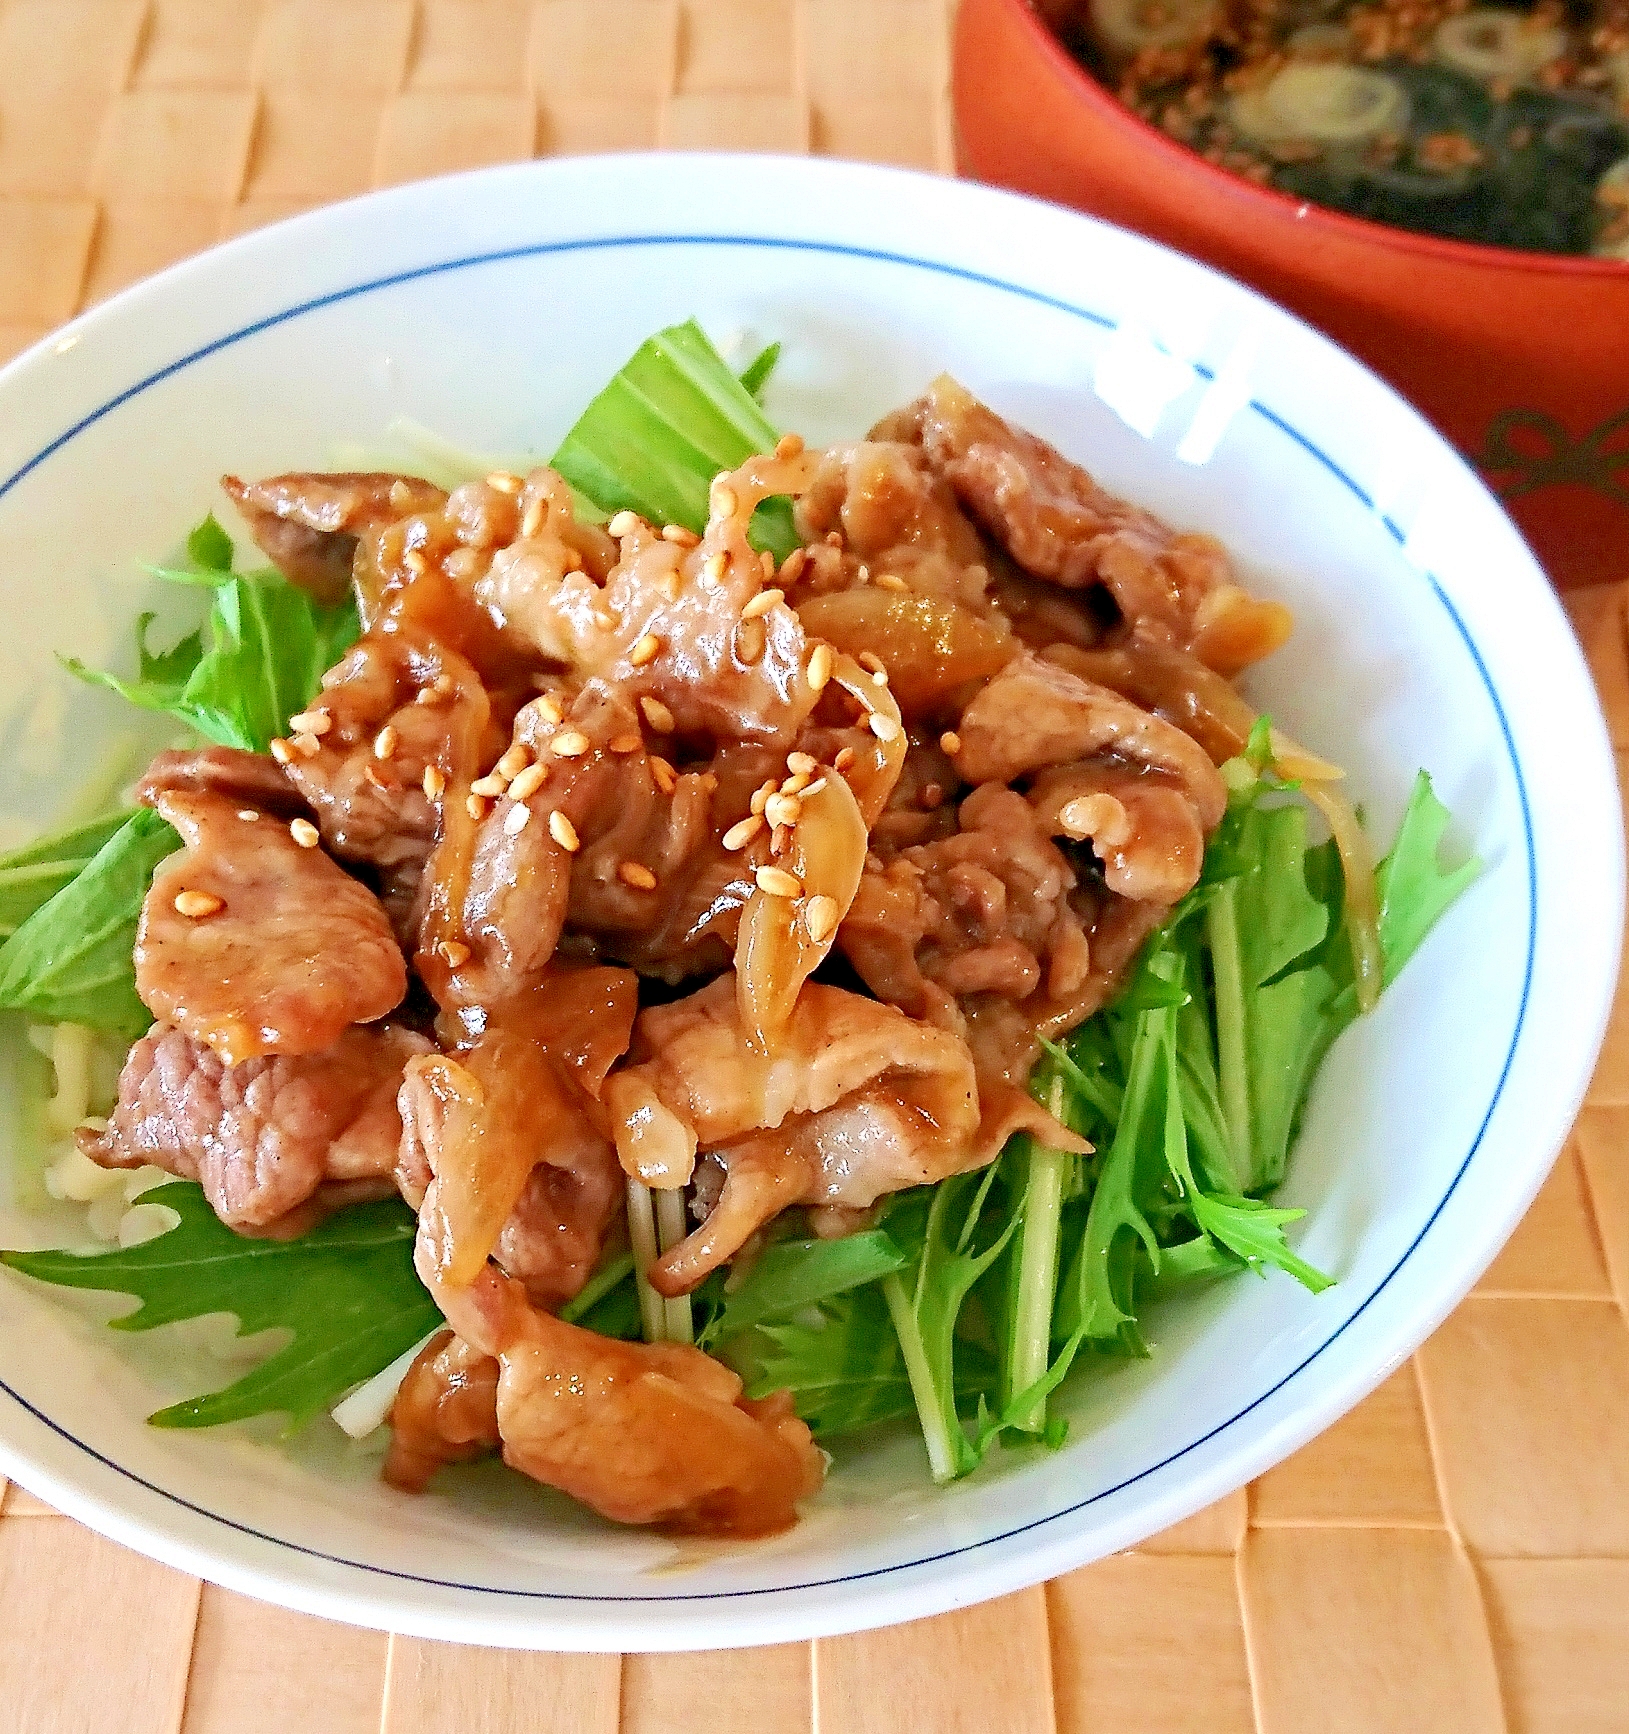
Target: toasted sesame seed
[
  {"x": 789, "y": 446},
  {"x": 304, "y": 833},
  {"x": 476, "y": 807},
  {"x": 779, "y": 838},
  {"x": 428, "y": 695},
  {"x": 455, "y": 951},
  {"x": 625, "y": 744},
  {"x": 750, "y": 641},
  {"x": 741, "y": 833},
  {"x": 863, "y": 575},
  {"x": 280, "y": 751},
  {"x": 883, "y": 727},
  {"x": 814, "y": 788},
  {"x": 572, "y": 560},
  {"x": 514, "y": 761},
  {"x": 435, "y": 782},
  {"x": 532, "y": 521},
  {"x": 311, "y": 722},
  {"x": 461, "y": 563},
  {"x": 248, "y": 814},
  {"x": 489, "y": 787},
  {"x": 783, "y": 809},
  {"x": 646, "y": 650},
  {"x": 760, "y": 797},
  {"x": 606, "y": 620},
  {"x": 766, "y": 564},
  {"x": 870, "y": 659},
  {"x": 505, "y": 481},
  {"x": 372, "y": 778},
  {"x": 714, "y": 567},
  {"x": 725, "y": 502},
  {"x": 819, "y": 670},
  {"x": 564, "y": 832},
  {"x": 401, "y": 496},
  {"x": 679, "y": 536},
  {"x": 792, "y": 566},
  {"x": 550, "y": 709},
  {"x": 709, "y": 782},
  {"x": 635, "y": 874},
  {"x": 800, "y": 761},
  {"x": 517, "y": 819},
  {"x": 820, "y": 918},
  {"x": 667, "y": 779},
  {"x": 307, "y": 746},
  {"x": 845, "y": 757},
  {"x": 657, "y": 714},
  {"x": 834, "y": 538},
  {"x": 384, "y": 743},
  {"x": 890, "y": 581},
  {"x": 796, "y": 783},
  {"x": 670, "y": 585},
  {"x": 572, "y": 744},
  {"x": 443, "y": 684},
  {"x": 529, "y": 782},
  {"x": 762, "y": 603},
  {"x": 415, "y": 562},
  {"x": 624, "y": 523},
  {"x": 195, "y": 905},
  {"x": 950, "y": 743},
  {"x": 778, "y": 882}
]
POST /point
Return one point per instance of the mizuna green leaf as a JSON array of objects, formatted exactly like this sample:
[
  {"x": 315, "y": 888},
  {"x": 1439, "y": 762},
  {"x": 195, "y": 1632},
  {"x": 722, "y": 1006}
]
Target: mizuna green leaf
[{"x": 347, "y": 1291}]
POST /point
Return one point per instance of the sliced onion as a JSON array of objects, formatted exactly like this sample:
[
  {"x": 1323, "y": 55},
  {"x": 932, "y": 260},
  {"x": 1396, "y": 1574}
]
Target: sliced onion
[
  {"x": 1128, "y": 26},
  {"x": 1490, "y": 43},
  {"x": 1362, "y": 903},
  {"x": 1327, "y": 104},
  {"x": 777, "y": 950}
]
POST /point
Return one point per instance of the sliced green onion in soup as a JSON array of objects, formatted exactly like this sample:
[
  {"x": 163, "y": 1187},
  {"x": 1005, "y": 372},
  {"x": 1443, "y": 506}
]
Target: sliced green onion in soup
[
  {"x": 1127, "y": 26},
  {"x": 1491, "y": 44},
  {"x": 1338, "y": 105}
]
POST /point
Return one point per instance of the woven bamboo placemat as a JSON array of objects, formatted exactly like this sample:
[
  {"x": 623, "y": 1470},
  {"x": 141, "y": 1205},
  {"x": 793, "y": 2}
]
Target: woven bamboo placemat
[{"x": 1453, "y": 1557}]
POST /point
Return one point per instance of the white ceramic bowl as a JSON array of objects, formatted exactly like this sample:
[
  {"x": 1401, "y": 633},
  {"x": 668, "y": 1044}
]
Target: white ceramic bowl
[{"x": 490, "y": 307}]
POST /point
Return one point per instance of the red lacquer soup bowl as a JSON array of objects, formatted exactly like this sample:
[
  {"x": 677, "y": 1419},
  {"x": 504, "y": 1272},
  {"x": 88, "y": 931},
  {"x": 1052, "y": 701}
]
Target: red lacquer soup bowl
[{"x": 1521, "y": 358}]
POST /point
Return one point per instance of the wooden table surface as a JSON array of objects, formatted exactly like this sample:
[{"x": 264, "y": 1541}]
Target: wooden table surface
[{"x": 1453, "y": 1558}]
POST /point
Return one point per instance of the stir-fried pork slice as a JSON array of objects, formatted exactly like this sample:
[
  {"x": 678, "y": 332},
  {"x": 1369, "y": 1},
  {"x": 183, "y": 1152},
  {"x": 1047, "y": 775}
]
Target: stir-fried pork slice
[
  {"x": 255, "y": 945},
  {"x": 880, "y": 497},
  {"x": 1058, "y": 523},
  {"x": 1141, "y": 826},
  {"x": 264, "y": 1136},
  {"x": 646, "y": 1433},
  {"x": 859, "y": 1101},
  {"x": 510, "y": 1129},
  {"x": 308, "y": 525},
  {"x": 446, "y": 1411},
  {"x": 246, "y": 779},
  {"x": 988, "y": 910},
  {"x": 1034, "y": 715},
  {"x": 684, "y": 626}
]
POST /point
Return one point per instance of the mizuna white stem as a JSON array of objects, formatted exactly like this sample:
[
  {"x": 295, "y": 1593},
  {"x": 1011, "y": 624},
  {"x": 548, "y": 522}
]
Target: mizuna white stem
[
  {"x": 670, "y": 1230},
  {"x": 642, "y": 1237}
]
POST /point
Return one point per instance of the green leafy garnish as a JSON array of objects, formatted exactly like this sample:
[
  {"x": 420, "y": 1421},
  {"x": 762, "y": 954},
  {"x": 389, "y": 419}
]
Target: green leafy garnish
[
  {"x": 671, "y": 419},
  {"x": 792, "y": 1274},
  {"x": 33, "y": 876},
  {"x": 268, "y": 646},
  {"x": 347, "y": 1291},
  {"x": 755, "y": 375},
  {"x": 69, "y": 961}
]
